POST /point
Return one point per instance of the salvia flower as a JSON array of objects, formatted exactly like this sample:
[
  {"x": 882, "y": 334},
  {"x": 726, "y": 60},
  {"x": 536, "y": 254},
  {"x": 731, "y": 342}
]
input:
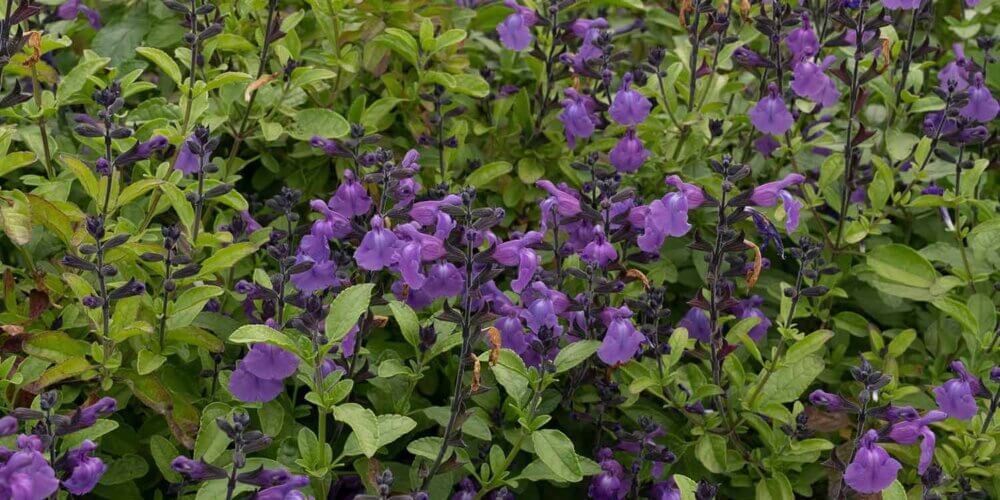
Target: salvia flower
[
  {"x": 599, "y": 251},
  {"x": 515, "y": 29},
  {"x": 665, "y": 490},
  {"x": 629, "y": 106},
  {"x": 518, "y": 252},
  {"x": 25, "y": 474},
  {"x": 910, "y": 431},
  {"x": 196, "y": 471},
  {"x": 901, "y": 4},
  {"x": 695, "y": 321},
  {"x": 831, "y": 402},
  {"x": 566, "y": 202},
  {"x": 377, "y": 248},
  {"x": 982, "y": 106},
  {"x": 750, "y": 308},
  {"x": 810, "y": 81},
  {"x": 768, "y": 195},
  {"x": 8, "y": 426},
  {"x": 577, "y": 117},
  {"x": 955, "y": 397},
  {"x": 260, "y": 375},
  {"x": 747, "y": 58},
  {"x": 622, "y": 340},
  {"x": 694, "y": 194},
  {"x": 664, "y": 217},
  {"x": 770, "y": 115},
  {"x": 955, "y": 71},
  {"x": 70, "y": 9},
  {"x": 323, "y": 272},
  {"x": 802, "y": 42},
  {"x": 351, "y": 198},
  {"x": 629, "y": 154},
  {"x": 611, "y": 483},
  {"x": 872, "y": 469},
  {"x": 84, "y": 470}
]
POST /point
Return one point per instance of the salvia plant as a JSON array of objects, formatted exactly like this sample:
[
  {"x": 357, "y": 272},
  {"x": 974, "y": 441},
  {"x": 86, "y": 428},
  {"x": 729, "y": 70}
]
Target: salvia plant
[{"x": 409, "y": 250}]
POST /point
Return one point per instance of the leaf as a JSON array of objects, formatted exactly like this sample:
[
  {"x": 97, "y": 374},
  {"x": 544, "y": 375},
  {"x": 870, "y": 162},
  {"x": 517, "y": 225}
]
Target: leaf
[
  {"x": 52, "y": 217},
  {"x": 120, "y": 38},
  {"x": 363, "y": 422},
  {"x": 251, "y": 334},
  {"x": 959, "y": 312},
  {"x": 449, "y": 38},
  {"x": 427, "y": 447},
  {"x": 408, "y": 322},
  {"x": 15, "y": 215},
  {"x": 390, "y": 428},
  {"x": 77, "y": 77},
  {"x": 82, "y": 173},
  {"x": 221, "y": 80},
  {"x": 16, "y": 160},
  {"x": 882, "y": 184},
  {"x": 195, "y": 336},
  {"x": 556, "y": 451},
  {"x": 488, "y": 173},
  {"x": 901, "y": 342},
  {"x": 346, "y": 309},
  {"x": 185, "y": 212},
  {"x": 400, "y": 42},
  {"x": 808, "y": 345},
  {"x": 575, "y": 353},
  {"x": 163, "y": 61},
  {"x": 164, "y": 452},
  {"x": 227, "y": 258},
  {"x": 55, "y": 346},
  {"x": 148, "y": 362},
  {"x": 69, "y": 368},
  {"x": 318, "y": 121},
  {"x": 902, "y": 264},
  {"x": 189, "y": 304},
  {"x": 211, "y": 441},
  {"x": 790, "y": 381}
]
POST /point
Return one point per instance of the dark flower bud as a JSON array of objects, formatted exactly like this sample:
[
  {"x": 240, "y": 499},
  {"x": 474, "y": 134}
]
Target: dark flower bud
[
  {"x": 169, "y": 285},
  {"x": 706, "y": 490},
  {"x": 219, "y": 190},
  {"x": 995, "y": 374},
  {"x": 88, "y": 130},
  {"x": 656, "y": 56},
  {"x": 109, "y": 270},
  {"x": 715, "y": 127},
  {"x": 121, "y": 133},
  {"x": 78, "y": 263},
  {"x": 241, "y": 420},
  {"x": 815, "y": 291},
  {"x": 48, "y": 400},
  {"x": 151, "y": 257},
  {"x": 130, "y": 289},
  {"x": 95, "y": 227},
  {"x": 116, "y": 240},
  {"x": 196, "y": 471},
  {"x": 93, "y": 301},
  {"x": 27, "y": 414}
]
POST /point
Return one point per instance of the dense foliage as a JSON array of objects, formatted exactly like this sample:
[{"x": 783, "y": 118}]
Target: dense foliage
[{"x": 287, "y": 249}]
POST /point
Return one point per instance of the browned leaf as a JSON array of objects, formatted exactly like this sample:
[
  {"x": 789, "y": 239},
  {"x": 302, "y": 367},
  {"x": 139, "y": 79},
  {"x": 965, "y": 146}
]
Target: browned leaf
[
  {"x": 496, "y": 343},
  {"x": 753, "y": 274}
]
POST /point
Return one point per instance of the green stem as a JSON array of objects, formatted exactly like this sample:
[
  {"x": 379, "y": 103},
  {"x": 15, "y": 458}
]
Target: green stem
[{"x": 36, "y": 90}]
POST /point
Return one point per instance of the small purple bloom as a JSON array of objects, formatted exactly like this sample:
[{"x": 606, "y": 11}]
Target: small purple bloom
[
  {"x": 196, "y": 470},
  {"x": 567, "y": 204},
  {"x": 622, "y": 340},
  {"x": 188, "y": 162},
  {"x": 770, "y": 115},
  {"x": 956, "y": 70},
  {"x": 85, "y": 470},
  {"x": 285, "y": 491},
  {"x": 803, "y": 42},
  {"x": 329, "y": 146},
  {"x": 982, "y": 106},
  {"x": 666, "y": 217},
  {"x": 70, "y": 9},
  {"x": 629, "y": 154},
  {"x": 872, "y": 469},
  {"x": 270, "y": 362},
  {"x": 351, "y": 198},
  {"x": 901, "y": 4},
  {"x": 811, "y": 81},
  {"x": 909, "y": 432},
  {"x": 578, "y": 116},
  {"x": 612, "y": 483},
  {"x": 747, "y": 58},
  {"x": 766, "y": 145},
  {"x": 599, "y": 251},
  {"x": 832, "y": 402},
  {"x": 629, "y": 106},
  {"x": 955, "y": 397},
  {"x": 694, "y": 194},
  {"x": 27, "y": 475},
  {"x": 750, "y": 308},
  {"x": 515, "y": 29},
  {"x": 8, "y": 426},
  {"x": 250, "y": 388},
  {"x": 665, "y": 490},
  {"x": 697, "y": 325},
  {"x": 766, "y": 195},
  {"x": 377, "y": 248},
  {"x": 323, "y": 273}
]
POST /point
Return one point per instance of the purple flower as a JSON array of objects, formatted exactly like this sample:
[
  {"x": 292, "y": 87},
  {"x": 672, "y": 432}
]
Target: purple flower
[
  {"x": 512, "y": 334},
  {"x": 518, "y": 252},
  {"x": 622, "y": 340},
  {"x": 697, "y": 325},
  {"x": 443, "y": 280},
  {"x": 515, "y": 29},
  {"x": 692, "y": 193},
  {"x": 87, "y": 416},
  {"x": 26, "y": 475},
  {"x": 264, "y": 478},
  {"x": 467, "y": 490},
  {"x": 766, "y": 145},
  {"x": 747, "y": 58},
  {"x": 956, "y": 70},
  {"x": 329, "y": 146},
  {"x": 909, "y": 432},
  {"x": 982, "y": 107},
  {"x": 749, "y": 308},
  {"x": 599, "y": 251},
  {"x": 196, "y": 470},
  {"x": 188, "y": 162},
  {"x": 901, "y": 4},
  {"x": 803, "y": 42},
  {"x": 629, "y": 154},
  {"x": 955, "y": 397},
  {"x": 270, "y": 362},
  {"x": 567, "y": 204},
  {"x": 832, "y": 402},
  {"x": 665, "y": 490},
  {"x": 767, "y": 195},
  {"x": 249, "y": 388},
  {"x": 770, "y": 115},
  {"x": 665, "y": 217},
  {"x": 284, "y": 491},
  {"x": 351, "y": 198},
  {"x": 611, "y": 483},
  {"x": 85, "y": 470},
  {"x": 578, "y": 116},
  {"x": 872, "y": 469},
  {"x": 377, "y": 248},
  {"x": 586, "y": 30},
  {"x": 8, "y": 426},
  {"x": 629, "y": 106},
  {"x": 323, "y": 273},
  {"x": 811, "y": 81},
  {"x": 72, "y": 8},
  {"x": 426, "y": 212}
]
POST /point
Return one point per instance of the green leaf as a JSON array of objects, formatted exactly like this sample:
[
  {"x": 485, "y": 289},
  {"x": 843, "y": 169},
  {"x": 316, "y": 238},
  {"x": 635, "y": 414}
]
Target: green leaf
[
  {"x": 187, "y": 306},
  {"x": 221, "y": 80},
  {"x": 164, "y": 452},
  {"x": 427, "y": 447},
  {"x": 901, "y": 342},
  {"x": 163, "y": 61},
  {"x": 318, "y": 121},
  {"x": 390, "y": 428},
  {"x": 575, "y": 353},
  {"x": 363, "y": 422},
  {"x": 211, "y": 441},
  {"x": 686, "y": 485},
  {"x": 808, "y": 345},
  {"x": 251, "y": 334},
  {"x": 400, "y": 42},
  {"x": 488, "y": 173},
  {"x": 346, "y": 309},
  {"x": 790, "y": 381},
  {"x": 959, "y": 312},
  {"x": 55, "y": 346},
  {"x": 77, "y": 77},
  {"x": 148, "y": 362},
  {"x": 882, "y": 184},
  {"x": 83, "y": 174},
  {"x": 903, "y": 265},
  {"x": 449, "y": 38},
  {"x": 556, "y": 451},
  {"x": 409, "y": 325},
  {"x": 69, "y": 368},
  {"x": 16, "y": 160},
  {"x": 197, "y": 337},
  {"x": 227, "y": 258},
  {"x": 895, "y": 491},
  {"x": 183, "y": 208},
  {"x": 15, "y": 216}
]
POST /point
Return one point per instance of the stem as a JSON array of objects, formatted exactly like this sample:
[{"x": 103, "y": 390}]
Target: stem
[
  {"x": 262, "y": 65},
  {"x": 163, "y": 312},
  {"x": 713, "y": 278},
  {"x": 848, "y": 149},
  {"x": 36, "y": 89},
  {"x": 958, "y": 222},
  {"x": 200, "y": 201},
  {"x": 231, "y": 485},
  {"x": 907, "y": 58},
  {"x": 549, "y": 65},
  {"x": 782, "y": 347},
  {"x": 693, "y": 62}
]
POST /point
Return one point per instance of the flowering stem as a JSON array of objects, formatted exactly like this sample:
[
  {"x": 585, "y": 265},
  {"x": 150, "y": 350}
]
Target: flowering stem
[
  {"x": 36, "y": 90},
  {"x": 848, "y": 148},
  {"x": 693, "y": 62},
  {"x": 958, "y": 222},
  {"x": 549, "y": 67},
  {"x": 907, "y": 58},
  {"x": 199, "y": 202},
  {"x": 166, "y": 296},
  {"x": 782, "y": 347}
]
